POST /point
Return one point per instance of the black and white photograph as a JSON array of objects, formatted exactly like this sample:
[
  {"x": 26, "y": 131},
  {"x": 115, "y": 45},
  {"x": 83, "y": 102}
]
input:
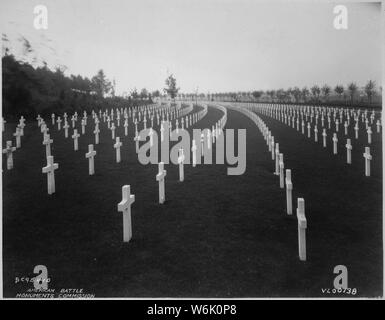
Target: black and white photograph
[{"x": 191, "y": 149}]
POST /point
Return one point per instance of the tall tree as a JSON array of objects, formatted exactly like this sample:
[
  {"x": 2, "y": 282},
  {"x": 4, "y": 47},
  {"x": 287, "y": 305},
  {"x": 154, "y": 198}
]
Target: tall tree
[
  {"x": 134, "y": 94},
  {"x": 315, "y": 91},
  {"x": 326, "y": 92},
  {"x": 304, "y": 93},
  {"x": 100, "y": 84},
  {"x": 339, "y": 89},
  {"x": 370, "y": 90},
  {"x": 352, "y": 87},
  {"x": 296, "y": 94},
  {"x": 143, "y": 94},
  {"x": 171, "y": 88}
]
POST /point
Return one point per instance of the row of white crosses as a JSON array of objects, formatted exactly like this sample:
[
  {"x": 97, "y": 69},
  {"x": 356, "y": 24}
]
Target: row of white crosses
[
  {"x": 290, "y": 114},
  {"x": 283, "y": 113},
  {"x": 9, "y": 149},
  {"x": 195, "y": 117},
  {"x": 277, "y": 157},
  {"x": 128, "y": 199}
]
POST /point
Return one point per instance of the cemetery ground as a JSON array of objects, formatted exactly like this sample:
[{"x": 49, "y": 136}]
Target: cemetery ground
[{"x": 215, "y": 236}]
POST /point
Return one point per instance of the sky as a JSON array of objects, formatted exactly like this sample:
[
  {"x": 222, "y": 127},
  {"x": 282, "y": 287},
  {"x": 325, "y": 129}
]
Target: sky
[{"x": 212, "y": 45}]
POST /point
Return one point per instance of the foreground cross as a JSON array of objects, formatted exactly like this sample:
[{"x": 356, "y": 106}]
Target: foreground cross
[
  {"x": 90, "y": 155},
  {"x": 302, "y": 225},
  {"x": 160, "y": 177},
  {"x": 125, "y": 207},
  {"x": 50, "y": 171}
]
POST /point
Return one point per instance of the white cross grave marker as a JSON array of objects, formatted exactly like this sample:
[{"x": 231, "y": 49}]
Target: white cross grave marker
[
  {"x": 302, "y": 225},
  {"x": 47, "y": 142},
  {"x": 76, "y": 136},
  {"x": 181, "y": 159},
  {"x": 160, "y": 177},
  {"x": 368, "y": 158},
  {"x": 50, "y": 171},
  {"x": 349, "y": 151},
  {"x": 125, "y": 207},
  {"x": 8, "y": 151},
  {"x": 335, "y": 140},
  {"x": 117, "y": 146},
  {"x": 289, "y": 189},
  {"x": 90, "y": 155}
]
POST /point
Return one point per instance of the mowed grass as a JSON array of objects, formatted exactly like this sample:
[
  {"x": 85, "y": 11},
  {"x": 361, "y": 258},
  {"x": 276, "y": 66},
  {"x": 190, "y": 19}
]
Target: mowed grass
[{"x": 216, "y": 235}]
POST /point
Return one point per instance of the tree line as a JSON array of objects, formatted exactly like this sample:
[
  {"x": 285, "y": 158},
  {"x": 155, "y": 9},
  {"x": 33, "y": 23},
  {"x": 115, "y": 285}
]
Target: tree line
[
  {"x": 350, "y": 94},
  {"x": 30, "y": 91}
]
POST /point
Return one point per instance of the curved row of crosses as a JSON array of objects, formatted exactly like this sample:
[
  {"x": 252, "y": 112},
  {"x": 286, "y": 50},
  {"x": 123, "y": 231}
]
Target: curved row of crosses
[
  {"x": 279, "y": 171},
  {"x": 291, "y": 115},
  {"x": 113, "y": 119}
]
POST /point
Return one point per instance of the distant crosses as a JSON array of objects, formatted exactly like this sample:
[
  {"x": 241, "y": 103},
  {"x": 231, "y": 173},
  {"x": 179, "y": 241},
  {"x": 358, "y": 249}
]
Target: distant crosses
[
  {"x": 368, "y": 158},
  {"x": 289, "y": 188},
  {"x": 281, "y": 174},
  {"x": 17, "y": 135},
  {"x": 349, "y": 151},
  {"x": 76, "y": 136},
  {"x": 117, "y": 146},
  {"x": 308, "y": 129},
  {"x": 50, "y": 171},
  {"x": 369, "y": 131},
  {"x": 160, "y": 178},
  {"x": 90, "y": 155},
  {"x": 73, "y": 121},
  {"x": 58, "y": 121},
  {"x": 378, "y": 124},
  {"x": 181, "y": 159},
  {"x": 335, "y": 140},
  {"x": 47, "y": 142},
  {"x": 194, "y": 153},
  {"x": 302, "y": 225},
  {"x": 96, "y": 133},
  {"x": 8, "y": 151},
  {"x": 66, "y": 126},
  {"x": 53, "y": 119},
  {"x": 125, "y": 207},
  {"x": 315, "y": 134},
  {"x": 272, "y": 145}
]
